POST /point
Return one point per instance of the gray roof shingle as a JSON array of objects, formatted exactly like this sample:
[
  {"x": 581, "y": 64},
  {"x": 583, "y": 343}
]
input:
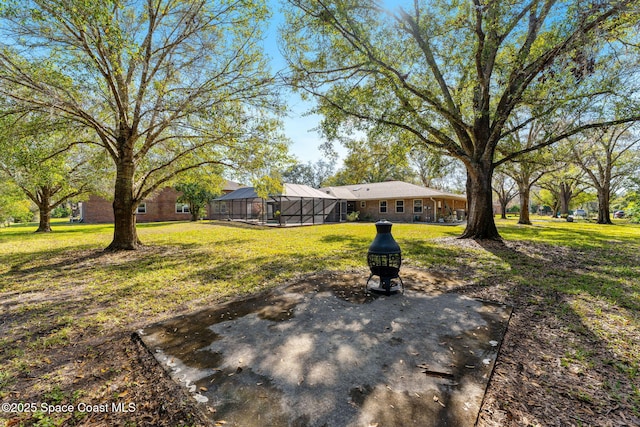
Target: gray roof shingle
[
  {"x": 289, "y": 190},
  {"x": 388, "y": 190}
]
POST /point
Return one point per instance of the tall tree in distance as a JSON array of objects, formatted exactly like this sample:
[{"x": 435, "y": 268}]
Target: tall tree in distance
[
  {"x": 198, "y": 187},
  {"x": 506, "y": 189},
  {"x": 608, "y": 157},
  {"x": 452, "y": 74},
  {"x": 372, "y": 160},
  {"x": 528, "y": 168},
  {"x": 312, "y": 174},
  {"x": 432, "y": 166},
  {"x": 165, "y": 86},
  {"x": 564, "y": 184},
  {"x": 36, "y": 157},
  {"x": 14, "y": 204}
]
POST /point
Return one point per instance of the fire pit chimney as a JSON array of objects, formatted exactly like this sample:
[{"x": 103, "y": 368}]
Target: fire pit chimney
[{"x": 384, "y": 259}]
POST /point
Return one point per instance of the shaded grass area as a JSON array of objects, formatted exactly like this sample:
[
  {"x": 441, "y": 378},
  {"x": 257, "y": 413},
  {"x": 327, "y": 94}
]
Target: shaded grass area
[{"x": 65, "y": 301}]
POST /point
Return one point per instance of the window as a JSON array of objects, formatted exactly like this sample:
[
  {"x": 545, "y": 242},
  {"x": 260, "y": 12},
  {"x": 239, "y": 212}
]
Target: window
[
  {"x": 399, "y": 206},
  {"x": 363, "y": 204},
  {"x": 383, "y": 206},
  {"x": 417, "y": 206},
  {"x": 142, "y": 208},
  {"x": 182, "y": 208}
]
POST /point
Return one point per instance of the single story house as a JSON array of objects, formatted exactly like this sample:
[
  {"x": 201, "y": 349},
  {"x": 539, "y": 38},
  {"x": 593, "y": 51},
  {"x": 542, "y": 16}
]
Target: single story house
[
  {"x": 163, "y": 206},
  {"x": 297, "y": 204},
  {"x": 399, "y": 201}
]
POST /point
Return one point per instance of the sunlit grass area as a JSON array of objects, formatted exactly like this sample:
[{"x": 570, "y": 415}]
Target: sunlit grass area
[
  {"x": 197, "y": 263},
  {"x": 58, "y": 287}
]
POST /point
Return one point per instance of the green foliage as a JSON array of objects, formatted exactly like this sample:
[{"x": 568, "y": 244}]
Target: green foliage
[
  {"x": 544, "y": 197},
  {"x": 632, "y": 212},
  {"x": 608, "y": 158},
  {"x": 496, "y": 68},
  {"x": 268, "y": 185},
  {"x": 196, "y": 195},
  {"x": 631, "y": 200},
  {"x": 38, "y": 158},
  {"x": 434, "y": 168},
  {"x": 373, "y": 160},
  {"x": 61, "y": 212},
  {"x": 14, "y": 206},
  {"x": 353, "y": 216},
  {"x": 314, "y": 175},
  {"x": 162, "y": 87}
]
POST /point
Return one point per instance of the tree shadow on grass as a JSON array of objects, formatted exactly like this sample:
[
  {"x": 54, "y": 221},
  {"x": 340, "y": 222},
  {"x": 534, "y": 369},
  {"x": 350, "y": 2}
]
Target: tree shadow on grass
[
  {"x": 596, "y": 237},
  {"x": 240, "y": 224},
  {"x": 610, "y": 275},
  {"x": 562, "y": 338},
  {"x": 353, "y": 243}
]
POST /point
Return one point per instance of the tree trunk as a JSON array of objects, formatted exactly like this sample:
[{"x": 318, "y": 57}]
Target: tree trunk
[
  {"x": 524, "y": 205},
  {"x": 480, "y": 222},
  {"x": 44, "y": 201},
  {"x": 503, "y": 208},
  {"x": 565, "y": 197},
  {"x": 125, "y": 236},
  {"x": 603, "y": 206},
  {"x": 556, "y": 209},
  {"x": 195, "y": 211},
  {"x": 45, "y": 219}
]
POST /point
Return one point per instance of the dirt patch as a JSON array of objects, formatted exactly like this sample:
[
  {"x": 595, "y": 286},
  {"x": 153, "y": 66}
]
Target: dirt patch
[{"x": 537, "y": 381}]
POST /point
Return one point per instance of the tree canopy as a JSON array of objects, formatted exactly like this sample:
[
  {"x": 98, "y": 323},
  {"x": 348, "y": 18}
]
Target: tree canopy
[
  {"x": 165, "y": 86},
  {"x": 35, "y": 156},
  {"x": 608, "y": 157},
  {"x": 452, "y": 75}
]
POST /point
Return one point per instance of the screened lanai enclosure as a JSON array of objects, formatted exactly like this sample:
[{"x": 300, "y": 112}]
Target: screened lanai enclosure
[{"x": 297, "y": 205}]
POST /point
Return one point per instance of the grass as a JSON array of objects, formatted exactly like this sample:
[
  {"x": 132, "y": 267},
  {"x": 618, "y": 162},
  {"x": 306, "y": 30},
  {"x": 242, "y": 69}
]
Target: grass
[
  {"x": 59, "y": 288},
  {"x": 185, "y": 264}
]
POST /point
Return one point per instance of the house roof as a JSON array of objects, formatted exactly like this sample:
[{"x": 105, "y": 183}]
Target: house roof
[
  {"x": 388, "y": 190},
  {"x": 231, "y": 186},
  {"x": 240, "y": 193},
  {"x": 289, "y": 190}
]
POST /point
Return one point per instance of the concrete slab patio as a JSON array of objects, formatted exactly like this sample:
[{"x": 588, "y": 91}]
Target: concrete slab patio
[{"x": 322, "y": 352}]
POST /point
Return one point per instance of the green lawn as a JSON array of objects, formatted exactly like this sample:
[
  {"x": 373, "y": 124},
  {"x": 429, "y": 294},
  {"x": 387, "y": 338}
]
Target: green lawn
[
  {"x": 59, "y": 288},
  {"x": 186, "y": 263}
]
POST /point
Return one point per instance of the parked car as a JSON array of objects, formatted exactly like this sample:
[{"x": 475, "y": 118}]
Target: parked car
[
  {"x": 580, "y": 212},
  {"x": 618, "y": 214}
]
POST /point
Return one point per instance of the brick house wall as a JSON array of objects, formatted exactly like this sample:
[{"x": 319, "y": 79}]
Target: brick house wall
[
  {"x": 96, "y": 210},
  {"x": 162, "y": 207},
  {"x": 413, "y": 210}
]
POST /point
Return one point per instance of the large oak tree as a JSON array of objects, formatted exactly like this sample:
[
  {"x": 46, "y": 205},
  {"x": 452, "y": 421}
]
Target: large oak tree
[
  {"x": 528, "y": 168},
  {"x": 608, "y": 157},
  {"x": 165, "y": 85},
  {"x": 31, "y": 157},
  {"x": 452, "y": 74}
]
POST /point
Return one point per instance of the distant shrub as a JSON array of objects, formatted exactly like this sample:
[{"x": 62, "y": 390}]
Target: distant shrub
[
  {"x": 353, "y": 216},
  {"x": 23, "y": 216},
  {"x": 633, "y": 212},
  {"x": 61, "y": 212}
]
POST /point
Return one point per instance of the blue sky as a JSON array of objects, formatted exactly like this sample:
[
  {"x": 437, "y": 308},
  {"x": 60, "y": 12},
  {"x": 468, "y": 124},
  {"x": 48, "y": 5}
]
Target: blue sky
[{"x": 298, "y": 127}]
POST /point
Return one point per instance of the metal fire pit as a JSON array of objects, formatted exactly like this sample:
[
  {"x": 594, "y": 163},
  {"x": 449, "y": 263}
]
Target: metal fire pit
[{"x": 384, "y": 259}]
